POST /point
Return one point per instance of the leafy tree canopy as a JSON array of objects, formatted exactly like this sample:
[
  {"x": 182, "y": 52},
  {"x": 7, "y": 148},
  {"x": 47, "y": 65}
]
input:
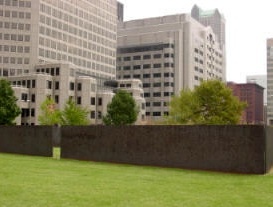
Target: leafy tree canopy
[
  {"x": 9, "y": 109},
  {"x": 49, "y": 115},
  {"x": 122, "y": 110},
  {"x": 210, "y": 103},
  {"x": 74, "y": 115},
  {"x": 71, "y": 115}
]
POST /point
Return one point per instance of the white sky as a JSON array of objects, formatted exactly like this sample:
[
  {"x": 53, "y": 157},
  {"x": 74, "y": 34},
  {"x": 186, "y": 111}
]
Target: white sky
[{"x": 248, "y": 25}]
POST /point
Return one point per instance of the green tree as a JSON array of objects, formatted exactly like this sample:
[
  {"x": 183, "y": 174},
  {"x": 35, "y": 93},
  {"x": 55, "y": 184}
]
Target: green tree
[
  {"x": 74, "y": 115},
  {"x": 122, "y": 110},
  {"x": 49, "y": 115},
  {"x": 210, "y": 103},
  {"x": 9, "y": 109}
]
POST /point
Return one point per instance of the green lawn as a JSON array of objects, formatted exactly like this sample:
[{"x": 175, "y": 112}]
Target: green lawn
[{"x": 37, "y": 181}]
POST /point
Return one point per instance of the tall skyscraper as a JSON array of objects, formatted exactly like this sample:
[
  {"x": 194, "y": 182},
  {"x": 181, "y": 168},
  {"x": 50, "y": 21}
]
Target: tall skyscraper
[
  {"x": 82, "y": 32},
  {"x": 168, "y": 54},
  {"x": 269, "y": 45},
  {"x": 211, "y": 18}
]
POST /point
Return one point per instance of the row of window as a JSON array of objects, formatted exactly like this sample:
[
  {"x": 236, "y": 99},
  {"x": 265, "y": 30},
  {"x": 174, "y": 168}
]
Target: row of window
[
  {"x": 13, "y": 48},
  {"x": 14, "y": 60},
  {"x": 146, "y": 66},
  {"x": 158, "y": 84},
  {"x": 28, "y": 112},
  {"x": 12, "y": 72},
  {"x": 146, "y": 57},
  {"x": 100, "y": 17},
  {"x": 158, "y": 94},
  {"x": 15, "y": 37},
  {"x": 75, "y": 50},
  {"x": 16, "y": 3},
  {"x": 83, "y": 30},
  {"x": 145, "y": 48},
  {"x": 51, "y": 71},
  {"x": 77, "y": 41},
  {"x": 157, "y": 113},
  {"x": 15, "y": 14},
  {"x": 157, "y": 104},
  {"x": 25, "y": 83},
  {"x": 84, "y": 23},
  {"x": 77, "y": 61}
]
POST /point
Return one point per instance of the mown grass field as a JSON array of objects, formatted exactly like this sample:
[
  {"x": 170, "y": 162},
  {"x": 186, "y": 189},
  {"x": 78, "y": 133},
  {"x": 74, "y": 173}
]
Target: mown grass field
[{"x": 37, "y": 181}]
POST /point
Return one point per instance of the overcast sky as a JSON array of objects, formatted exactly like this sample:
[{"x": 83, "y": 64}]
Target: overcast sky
[{"x": 248, "y": 25}]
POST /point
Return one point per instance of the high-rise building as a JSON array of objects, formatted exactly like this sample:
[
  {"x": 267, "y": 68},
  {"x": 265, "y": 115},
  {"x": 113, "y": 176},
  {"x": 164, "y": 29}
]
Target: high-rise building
[
  {"x": 252, "y": 95},
  {"x": 168, "y": 54},
  {"x": 269, "y": 45},
  {"x": 120, "y": 11},
  {"x": 211, "y": 18},
  {"x": 82, "y": 32}
]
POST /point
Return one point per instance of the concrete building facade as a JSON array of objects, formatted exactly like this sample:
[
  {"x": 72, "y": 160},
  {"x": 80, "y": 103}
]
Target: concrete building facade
[
  {"x": 64, "y": 81},
  {"x": 212, "y": 18},
  {"x": 269, "y": 45},
  {"x": 82, "y": 32},
  {"x": 168, "y": 54}
]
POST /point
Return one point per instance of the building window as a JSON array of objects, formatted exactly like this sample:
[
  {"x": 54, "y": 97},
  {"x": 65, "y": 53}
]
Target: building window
[
  {"x": 71, "y": 86},
  {"x": 93, "y": 101},
  {"x": 93, "y": 115},
  {"x": 32, "y": 112},
  {"x": 157, "y": 113},
  {"x": 100, "y": 101},
  {"x": 24, "y": 97},
  {"x": 157, "y": 94},
  {"x": 127, "y": 58},
  {"x": 146, "y": 85},
  {"x": 138, "y": 57},
  {"x": 145, "y": 57},
  {"x": 158, "y": 84},
  {"x": 79, "y": 86},
  {"x": 157, "y": 65},
  {"x": 146, "y": 66},
  {"x": 136, "y": 67},
  {"x": 156, "y": 103},
  {"x": 57, "y": 85},
  {"x": 49, "y": 84},
  {"x": 99, "y": 114},
  {"x": 157, "y": 75},
  {"x": 79, "y": 100},
  {"x": 146, "y": 95},
  {"x": 57, "y": 71},
  {"x": 157, "y": 56},
  {"x": 56, "y": 99},
  {"x": 32, "y": 98}
]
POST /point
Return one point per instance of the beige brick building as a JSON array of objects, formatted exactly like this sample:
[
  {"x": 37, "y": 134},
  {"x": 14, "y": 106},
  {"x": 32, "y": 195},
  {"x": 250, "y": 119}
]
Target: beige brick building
[
  {"x": 63, "y": 81},
  {"x": 168, "y": 54}
]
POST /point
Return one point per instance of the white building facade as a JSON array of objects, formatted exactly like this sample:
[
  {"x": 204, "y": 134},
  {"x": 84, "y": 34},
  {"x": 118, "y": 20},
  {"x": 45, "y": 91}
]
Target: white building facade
[
  {"x": 168, "y": 54},
  {"x": 269, "y": 45},
  {"x": 62, "y": 82},
  {"x": 82, "y": 32}
]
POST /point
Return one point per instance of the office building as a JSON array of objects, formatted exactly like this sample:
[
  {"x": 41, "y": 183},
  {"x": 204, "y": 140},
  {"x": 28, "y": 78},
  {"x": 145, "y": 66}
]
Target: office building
[
  {"x": 61, "y": 82},
  {"x": 212, "y": 18},
  {"x": 260, "y": 80},
  {"x": 252, "y": 95},
  {"x": 269, "y": 45},
  {"x": 82, "y": 32},
  {"x": 168, "y": 54}
]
